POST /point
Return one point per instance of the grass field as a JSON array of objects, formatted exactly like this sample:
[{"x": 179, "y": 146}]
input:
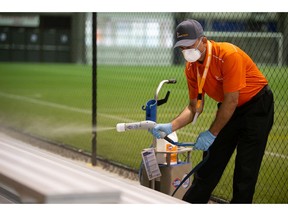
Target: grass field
[{"x": 54, "y": 101}]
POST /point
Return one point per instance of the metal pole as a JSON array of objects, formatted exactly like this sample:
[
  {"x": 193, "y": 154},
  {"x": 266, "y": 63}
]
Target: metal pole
[{"x": 94, "y": 88}]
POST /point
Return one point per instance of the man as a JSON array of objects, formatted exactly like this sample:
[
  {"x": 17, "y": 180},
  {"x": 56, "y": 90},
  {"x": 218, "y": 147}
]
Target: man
[{"x": 243, "y": 120}]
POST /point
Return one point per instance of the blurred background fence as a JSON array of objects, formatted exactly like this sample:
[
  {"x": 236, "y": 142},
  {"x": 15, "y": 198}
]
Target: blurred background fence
[{"x": 46, "y": 82}]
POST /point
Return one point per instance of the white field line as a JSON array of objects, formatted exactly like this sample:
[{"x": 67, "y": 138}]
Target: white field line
[
  {"x": 60, "y": 106},
  {"x": 73, "y": 109},
  {"x": 44, "y": 103},
  {"x": 276, "y": 155}
]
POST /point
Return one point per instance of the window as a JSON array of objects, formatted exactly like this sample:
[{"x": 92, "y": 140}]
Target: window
[{"x": 130, "y": 33}]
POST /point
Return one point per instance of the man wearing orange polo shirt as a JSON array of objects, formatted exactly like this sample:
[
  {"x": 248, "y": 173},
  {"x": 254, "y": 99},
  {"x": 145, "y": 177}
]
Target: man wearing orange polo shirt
[{"x": 244, "y": 118}]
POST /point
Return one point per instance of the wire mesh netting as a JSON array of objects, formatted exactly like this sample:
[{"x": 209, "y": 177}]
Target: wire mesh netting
[{"x": 135, "y": 53}]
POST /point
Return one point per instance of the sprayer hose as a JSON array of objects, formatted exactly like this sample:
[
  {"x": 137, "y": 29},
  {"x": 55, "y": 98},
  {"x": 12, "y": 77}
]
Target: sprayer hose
[{"x": 196, "y": 168}]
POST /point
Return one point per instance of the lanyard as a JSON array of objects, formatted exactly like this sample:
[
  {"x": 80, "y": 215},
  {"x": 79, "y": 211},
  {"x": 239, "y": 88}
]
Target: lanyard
[{"x": 201, "y": 81}]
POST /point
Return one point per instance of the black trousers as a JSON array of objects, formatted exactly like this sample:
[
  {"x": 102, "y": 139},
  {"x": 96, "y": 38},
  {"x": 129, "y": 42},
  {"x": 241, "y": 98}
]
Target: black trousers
[{"x": 247, "y": 132}]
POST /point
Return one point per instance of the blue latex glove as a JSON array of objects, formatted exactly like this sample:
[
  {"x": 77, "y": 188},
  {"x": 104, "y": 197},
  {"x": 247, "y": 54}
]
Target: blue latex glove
[
  {"x": 204, "y": 141},
  {"x": 161, "y": 130}
]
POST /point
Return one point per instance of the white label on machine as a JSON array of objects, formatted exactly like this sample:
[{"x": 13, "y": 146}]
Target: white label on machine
[{"x": 150, "y": 163}]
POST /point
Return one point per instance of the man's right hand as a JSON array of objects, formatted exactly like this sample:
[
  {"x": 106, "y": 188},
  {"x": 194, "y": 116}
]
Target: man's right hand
[{"x": 161, "y": 130}]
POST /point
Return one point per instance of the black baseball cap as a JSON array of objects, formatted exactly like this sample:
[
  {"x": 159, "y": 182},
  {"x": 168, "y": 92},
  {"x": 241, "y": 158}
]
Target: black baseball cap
[{"x": 187, "y": 32}]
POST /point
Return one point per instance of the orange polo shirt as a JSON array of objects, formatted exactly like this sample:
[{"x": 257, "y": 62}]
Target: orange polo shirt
[{"x": 231, "y": 69}]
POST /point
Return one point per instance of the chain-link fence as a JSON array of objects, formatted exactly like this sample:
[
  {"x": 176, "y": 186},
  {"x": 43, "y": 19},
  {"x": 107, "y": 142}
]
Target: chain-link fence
[
  {"x": 135, "y": 52},
  {"x": 46, "y": 82}
]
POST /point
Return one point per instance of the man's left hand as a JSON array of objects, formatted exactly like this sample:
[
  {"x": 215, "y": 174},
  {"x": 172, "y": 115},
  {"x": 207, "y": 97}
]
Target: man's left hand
[{"x": 204, "y": 141}]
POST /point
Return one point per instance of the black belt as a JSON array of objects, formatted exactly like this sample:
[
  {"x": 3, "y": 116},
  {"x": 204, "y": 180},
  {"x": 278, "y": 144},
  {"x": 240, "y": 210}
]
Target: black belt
[{"x": 264, "y": 90}]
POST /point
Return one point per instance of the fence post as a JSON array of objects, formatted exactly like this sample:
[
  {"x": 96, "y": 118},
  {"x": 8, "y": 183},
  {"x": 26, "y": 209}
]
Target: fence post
[{"x": 94, "y": 87}]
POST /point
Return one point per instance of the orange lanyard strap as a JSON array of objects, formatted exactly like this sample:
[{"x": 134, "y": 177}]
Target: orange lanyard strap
[{"x": 201, "y": 81}]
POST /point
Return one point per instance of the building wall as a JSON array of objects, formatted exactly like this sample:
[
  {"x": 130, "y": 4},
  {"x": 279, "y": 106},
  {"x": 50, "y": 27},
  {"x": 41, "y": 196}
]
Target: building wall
[{"x": 41, "y": 37}]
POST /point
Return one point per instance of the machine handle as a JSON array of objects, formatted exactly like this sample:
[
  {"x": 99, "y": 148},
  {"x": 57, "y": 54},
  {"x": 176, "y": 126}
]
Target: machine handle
[
  {"x": 172, "y": 81},
  {"x": 164, "y": 100}
]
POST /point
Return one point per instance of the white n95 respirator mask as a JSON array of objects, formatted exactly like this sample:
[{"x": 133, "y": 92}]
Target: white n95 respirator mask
[{"x": 191, "y": 55}]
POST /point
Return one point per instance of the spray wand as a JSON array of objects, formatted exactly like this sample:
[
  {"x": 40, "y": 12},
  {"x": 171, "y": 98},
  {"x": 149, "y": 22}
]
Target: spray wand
[
  {"x": 142, "y": 125},
  {"x": 147, "y": 125}
]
